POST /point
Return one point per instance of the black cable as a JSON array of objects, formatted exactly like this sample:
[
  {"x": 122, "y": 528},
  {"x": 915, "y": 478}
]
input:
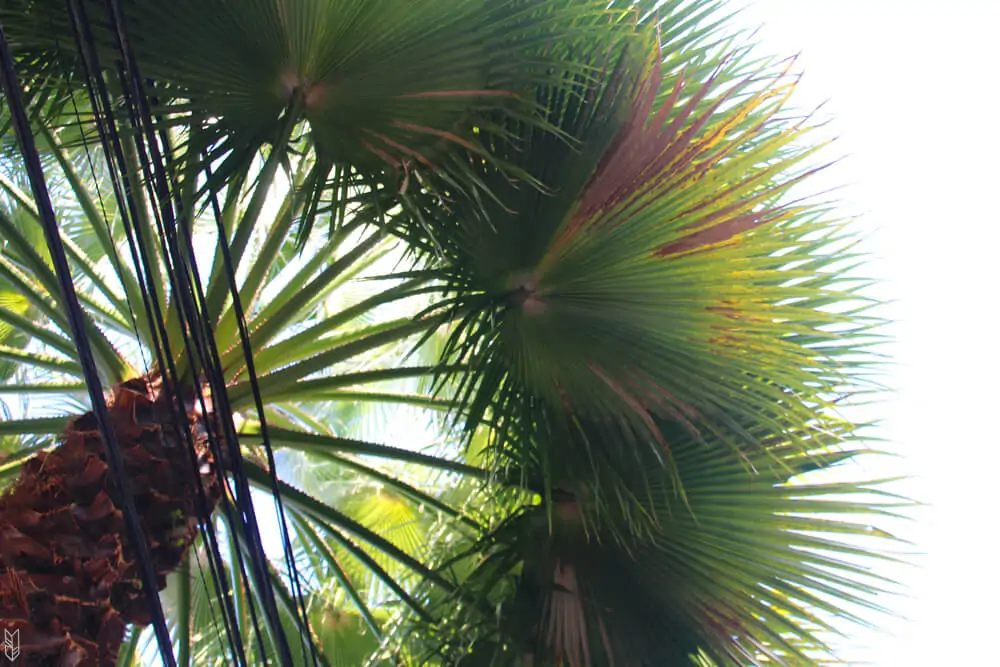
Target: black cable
[
  {"x": 204, "y": 341},
  {"x": 196, "y": 329},
  {"x": 259, "y": 405},
  {"x": 129, "y": 212},
  {"x": 198, "y": 351},
  {"x": 205, "y": 527},
  {"x": 203, "y": 517},
  {"x": 197, "y": 325},
  {"x": 116, "y": 464}
]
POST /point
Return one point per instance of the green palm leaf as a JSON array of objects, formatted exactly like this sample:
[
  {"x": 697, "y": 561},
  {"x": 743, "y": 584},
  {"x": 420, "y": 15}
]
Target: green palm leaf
[
  {"x": 670, "y": 274},
  {"x": 751, "y": 567},
  {"x": 391, "y": 89}
]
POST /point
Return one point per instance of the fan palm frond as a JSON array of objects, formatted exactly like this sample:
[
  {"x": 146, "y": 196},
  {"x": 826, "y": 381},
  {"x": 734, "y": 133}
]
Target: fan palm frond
[
  {"x": 753, "y": 566},
  {"x": 672, "y": 272}
]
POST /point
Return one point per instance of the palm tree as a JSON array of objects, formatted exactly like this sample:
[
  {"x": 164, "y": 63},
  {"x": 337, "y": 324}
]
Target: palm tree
[{"x": 569, "y": 239}]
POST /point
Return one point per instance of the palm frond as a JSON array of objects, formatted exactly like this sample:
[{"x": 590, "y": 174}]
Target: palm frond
[
  {"x": 671, "y": 274},
  {"x": 750, "y": 567}
]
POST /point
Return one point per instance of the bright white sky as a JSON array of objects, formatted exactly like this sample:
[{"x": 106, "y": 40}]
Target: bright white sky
[{"x": 910, "y": 89}]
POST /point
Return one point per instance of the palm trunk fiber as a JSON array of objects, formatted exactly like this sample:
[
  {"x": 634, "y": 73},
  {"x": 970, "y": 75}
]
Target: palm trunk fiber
[{"x": 69, "y": 578}]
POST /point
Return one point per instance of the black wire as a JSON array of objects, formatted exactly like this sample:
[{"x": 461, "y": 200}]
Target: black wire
[
  {"x": 195, "y": 345},
  {"x": 251, "y": 532},
  {"x": 185, "y": 318},
  {"x": 198, "y": 351},
  {"x": 203, "y": 340},
  {"x": 205, "y": 527},
  {"x": 194, "y": 323},
  {"x": 116, "y": 464},
  {"x": 199, "y": 330},
  {"x": 156, "y": 325},
  {"x": 161, "y": 343},
  {"x": 203, "y": 517},
  {"x": 259, "y": 405}
]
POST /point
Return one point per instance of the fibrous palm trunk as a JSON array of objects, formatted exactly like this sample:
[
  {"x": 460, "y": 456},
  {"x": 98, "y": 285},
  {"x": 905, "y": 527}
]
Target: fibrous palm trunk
[{"x": 69, "y": 577}]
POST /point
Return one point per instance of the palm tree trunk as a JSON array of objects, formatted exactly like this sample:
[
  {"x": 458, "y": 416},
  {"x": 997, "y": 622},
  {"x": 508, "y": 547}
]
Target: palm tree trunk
[{"x": 69, "y": 579}]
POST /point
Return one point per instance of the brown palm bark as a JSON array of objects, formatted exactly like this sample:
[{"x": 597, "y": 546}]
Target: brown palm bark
[{"x": 69, "y": 578}]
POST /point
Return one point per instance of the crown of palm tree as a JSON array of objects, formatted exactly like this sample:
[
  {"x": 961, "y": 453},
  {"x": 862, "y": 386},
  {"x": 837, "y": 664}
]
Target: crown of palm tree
[{"x": 577, "y": 231}]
